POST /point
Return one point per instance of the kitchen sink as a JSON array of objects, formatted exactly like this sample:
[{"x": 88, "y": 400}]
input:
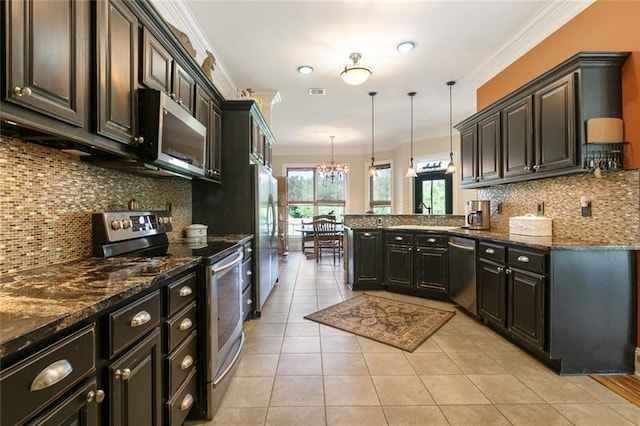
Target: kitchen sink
[{"x": 425, "y": 227}]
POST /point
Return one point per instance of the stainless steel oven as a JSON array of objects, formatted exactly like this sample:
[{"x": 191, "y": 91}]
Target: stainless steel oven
[{"x": 223, "y": 322}]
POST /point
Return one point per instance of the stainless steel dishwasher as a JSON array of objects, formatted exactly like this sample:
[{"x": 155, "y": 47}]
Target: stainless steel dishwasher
[{"x": 462, "y": 273}]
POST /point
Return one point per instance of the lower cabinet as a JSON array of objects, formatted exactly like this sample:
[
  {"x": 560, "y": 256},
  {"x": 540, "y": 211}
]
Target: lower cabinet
[
  {"x": 364, "y": 259},
  {"x": 432, "y": 265},
  {"x": 79, "y": 408},
  {"x": 492, "y": 292},
  {"x": 398, "y": 265}
]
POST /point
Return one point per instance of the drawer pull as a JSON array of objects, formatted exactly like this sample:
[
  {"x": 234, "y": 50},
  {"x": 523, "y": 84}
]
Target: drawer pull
[
  {"x": 187, "y": 402},
  {"x": 185, "y": 324},
  {"x": 367, "y": 234},
  {"x": 431, "y": 240},
  {"x": 490, "y": 251},
  {"x": 249, "y": 302},
  {"x": 398, "y": 238},
  {"x": 186, "y": 291},
  {"x": 140, "y": 318},
  {"x": 249, "y": 273},
  {"x": 51, "y": 375},
  {"x": 122, "y": 374},
  {"x": 523, "y": 259},
  {"x": 97, "y": 396},
  {"x": 186, "y": 362}
]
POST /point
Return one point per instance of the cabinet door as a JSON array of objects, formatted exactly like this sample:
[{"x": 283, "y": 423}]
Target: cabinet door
[
  {"x": 517, "y": 138},
  {"x": 492, "y": 292},
  {"x": 399, "y": 265},
  {"x": 47, "y": 57},
  {"x": 555, "y": 131},
  {"x": 489, "y": 158},
  {"x": 526, "y": 308},
  {"x": 184, "y": 87},
  {"x": 468, "y": 155},
  {"x": 367, "y": 265},
  {"x": 117, "y": 73},
  {"x": 432, "y": 269},
  {"x": 156, "y": 63},
  {"x": 215, "y": 142},
  {"x": 135, "y": 384},
  {"x": 79, "y": 408}
]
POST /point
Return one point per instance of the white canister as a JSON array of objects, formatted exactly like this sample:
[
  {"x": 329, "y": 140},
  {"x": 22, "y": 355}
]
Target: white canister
[{"x": 196, "y": 231}]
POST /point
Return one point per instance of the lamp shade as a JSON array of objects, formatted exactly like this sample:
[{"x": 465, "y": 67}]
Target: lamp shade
[
  {"x": 355, "y": 74},
  {"x": 604, "y": 130}
]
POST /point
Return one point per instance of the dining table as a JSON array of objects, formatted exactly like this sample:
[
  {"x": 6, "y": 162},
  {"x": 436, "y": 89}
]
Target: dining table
[{"x": 307, "y": 231}]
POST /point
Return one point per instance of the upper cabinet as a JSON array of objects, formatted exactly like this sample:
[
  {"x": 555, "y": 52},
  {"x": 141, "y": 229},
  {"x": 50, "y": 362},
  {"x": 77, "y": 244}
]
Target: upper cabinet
[
  {"x": 46, "y": 57},
  {"x": 539, "y": 130},
  {"x": 208, "y": 113}
]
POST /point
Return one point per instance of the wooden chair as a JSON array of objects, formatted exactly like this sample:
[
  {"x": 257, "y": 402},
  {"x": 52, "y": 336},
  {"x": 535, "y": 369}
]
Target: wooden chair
[
  {"x": 325, "y": 236},
  {"x": 308, "y": 242}
]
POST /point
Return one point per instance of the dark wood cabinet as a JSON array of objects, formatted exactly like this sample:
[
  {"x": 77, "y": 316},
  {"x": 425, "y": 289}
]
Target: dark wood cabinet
[
  {"x": 526, "y": 307},
  {"x": 432, "y": 265},
  {"x": 47, "y": 57},
  {"x": 364, "y": 259},
  {"x": 117, "y": 70},
  {"x": 468, "y": 155},
  {"x": 517, "y": 137},
  {"x": 135, "y": 384},
  {"x": 398, "y": 260},
  {"x": 209, "y": 114},
  {"x": 184, "y": 88},
  {"x": 492, "y": 292},
  {"x": 156, "y": 64},
  {"x": 489, "y": 157},
  {"x": 79, "y": 408}
]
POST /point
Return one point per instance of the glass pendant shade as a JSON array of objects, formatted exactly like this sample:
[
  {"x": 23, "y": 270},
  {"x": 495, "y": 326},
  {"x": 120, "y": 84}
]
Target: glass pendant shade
[
  {"x": 411, "y": 172},
  {"x": 355, "y": 74}
]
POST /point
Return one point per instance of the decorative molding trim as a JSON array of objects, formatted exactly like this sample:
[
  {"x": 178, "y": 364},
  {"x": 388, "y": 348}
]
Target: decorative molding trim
[{"x": 545, "y": 23}]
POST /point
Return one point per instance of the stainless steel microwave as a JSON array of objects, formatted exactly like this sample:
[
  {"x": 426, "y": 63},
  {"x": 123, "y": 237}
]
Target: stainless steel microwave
[{"x": 172, "y": 137}]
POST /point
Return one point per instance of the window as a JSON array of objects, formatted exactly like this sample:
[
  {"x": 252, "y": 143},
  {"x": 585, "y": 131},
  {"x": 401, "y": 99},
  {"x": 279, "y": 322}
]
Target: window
[
  {"x": 433, "y": 193},
  {"x": 380, "y": 190},
  {"x": 310, "y": 193}
]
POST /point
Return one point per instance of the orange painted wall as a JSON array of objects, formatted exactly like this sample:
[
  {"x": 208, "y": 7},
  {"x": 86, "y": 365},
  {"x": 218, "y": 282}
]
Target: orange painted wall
[{"x": 606, "y": 25}]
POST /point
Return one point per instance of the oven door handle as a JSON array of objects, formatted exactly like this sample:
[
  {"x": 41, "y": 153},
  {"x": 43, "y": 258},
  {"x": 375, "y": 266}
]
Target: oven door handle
[
  {"x": 232, "y": 363},
  {"x": 228, "y": 265}
]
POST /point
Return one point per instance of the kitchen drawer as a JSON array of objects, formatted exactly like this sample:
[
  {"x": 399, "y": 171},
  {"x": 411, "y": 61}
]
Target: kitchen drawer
[
  {"x": 247, "y": 275},
  {"x": 527, "y": 260},
  {"x": 181, "y": 403},
  {"x": 180, "y": 325},
  {"x": 398, "y": 238},
  {"x": 431, "y": 240},
  {"x": 494, "y": 252},
  {"x": 247, "y": 250},
  {"x": 247, "y": 302},
  {"x": 128, "y": 324},
  {"x": 35, "y": 382},
  {"x": 181, "y": 362},
  {"x": 180, "y": 293}
]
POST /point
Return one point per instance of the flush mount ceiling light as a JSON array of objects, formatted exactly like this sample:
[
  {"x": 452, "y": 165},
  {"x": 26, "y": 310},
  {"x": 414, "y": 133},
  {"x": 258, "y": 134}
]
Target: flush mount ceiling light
[
  {"x": 305, "y": 69},
  {"x": 372, "y": 168},
  {"x": 411, "y": 171},
  {"x": 332, "y": 170},
  {"x": 451, "y": 167},
  {"x": 355, "y": 74},
  {"x": 406, "y": 46}
]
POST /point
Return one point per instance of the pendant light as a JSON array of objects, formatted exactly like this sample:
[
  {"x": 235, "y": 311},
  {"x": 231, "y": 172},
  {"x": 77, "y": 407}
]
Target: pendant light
[
  {"x": 332, "y": 170},
  {"x": 355, "y": 74},
  {"x": 372, "y": 168},
  {"x": 411, "y": 172},
  {"x": 451, "y": 167}
]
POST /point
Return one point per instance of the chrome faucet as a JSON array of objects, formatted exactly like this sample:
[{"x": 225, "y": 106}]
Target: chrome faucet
[{"x": 424, "y": 207}]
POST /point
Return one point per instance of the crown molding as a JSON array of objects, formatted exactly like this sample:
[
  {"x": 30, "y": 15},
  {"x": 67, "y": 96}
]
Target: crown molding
[
  {"x": 180, "y": 16},
  {"x": 541, "y": 26}
]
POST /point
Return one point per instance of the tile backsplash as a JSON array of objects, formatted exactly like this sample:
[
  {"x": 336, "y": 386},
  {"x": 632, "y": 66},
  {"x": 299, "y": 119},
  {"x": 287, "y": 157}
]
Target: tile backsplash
[
  {"x": 47, "y": 197},
  {"x": 615, "y": 203}
]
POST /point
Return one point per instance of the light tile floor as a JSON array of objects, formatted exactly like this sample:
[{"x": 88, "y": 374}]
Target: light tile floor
[{"x": 297, "y": 372}]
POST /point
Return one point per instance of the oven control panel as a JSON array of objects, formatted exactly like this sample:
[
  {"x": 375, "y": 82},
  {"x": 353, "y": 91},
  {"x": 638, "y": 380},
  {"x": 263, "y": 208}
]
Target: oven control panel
[{"x": 119, "y": 226}]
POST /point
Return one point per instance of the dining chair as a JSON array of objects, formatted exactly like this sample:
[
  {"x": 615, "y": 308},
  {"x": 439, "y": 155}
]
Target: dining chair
[
  {"x": 325, "y": 236},
  {"x": 308, "y": 242}
]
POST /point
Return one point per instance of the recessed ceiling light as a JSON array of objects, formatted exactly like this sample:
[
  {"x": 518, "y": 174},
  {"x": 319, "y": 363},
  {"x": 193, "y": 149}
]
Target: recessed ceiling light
[
  {"x": 406, "y": 46},
  {"x": 305, "y": 69}
]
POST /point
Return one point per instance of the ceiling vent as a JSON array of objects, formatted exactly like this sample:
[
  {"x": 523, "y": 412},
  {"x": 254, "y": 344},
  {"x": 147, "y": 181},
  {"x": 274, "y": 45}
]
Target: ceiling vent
[{"x": 316, "y": 92}]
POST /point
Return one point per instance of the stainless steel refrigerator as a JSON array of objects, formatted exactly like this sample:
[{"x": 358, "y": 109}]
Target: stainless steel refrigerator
[{"x": 266, "y": 234}]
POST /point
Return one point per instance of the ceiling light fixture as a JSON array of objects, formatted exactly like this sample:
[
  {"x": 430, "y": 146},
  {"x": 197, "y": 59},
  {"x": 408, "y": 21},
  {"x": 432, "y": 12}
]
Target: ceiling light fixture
[
  {"x": 372, "y": 168},
  {"x": 332, "y": 170},
  {"x": 451, "y": 167},
  {"x": 406, "y": 46},
  {"x": 355, "y": 74},
  {"x": 411, "y": 172},
  {"x": 305, "y": 69}
]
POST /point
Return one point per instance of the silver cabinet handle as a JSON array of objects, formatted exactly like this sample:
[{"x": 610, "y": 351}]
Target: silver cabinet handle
[
  {"x": 500, "y": 269},
  {"x": 122, "y": 374},
  {"x": 249, "y": 302},
  {"x": 187, "y": 402},
  {"x": 398, "y": 238},
  {"x": 523, "y": 259},
  {"x": 489, "y": 251},
  {"x": 249, "y": 273},
  {"x": 507, "y": 271},
  {"x": 249, "y": 250},
  {"x": 527, "y": 168},
  {"x": 140, "y": 318},
  {"x": 185, "y": 324},
  {"x": 367, "y": 234},
  {"x": 186, "y": 291},
  {"x": 431, "y": 240},
  {"x": 186, "y": 362},
  {"x": 97, "y": 396},
  {"x": 138, "y": 139},
  {"x": 52, "y": 374},
  {"x": 21, "y": 91},
  {"x": 536, "y": 167}
]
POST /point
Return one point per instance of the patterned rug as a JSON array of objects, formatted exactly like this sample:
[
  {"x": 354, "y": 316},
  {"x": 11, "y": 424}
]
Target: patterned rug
[{"x": 400, "y": 324}]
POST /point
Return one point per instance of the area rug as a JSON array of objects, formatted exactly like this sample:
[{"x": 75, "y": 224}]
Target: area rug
[
  {"x": 627, "y": 387},
  {"x": 399, "y": 324}
]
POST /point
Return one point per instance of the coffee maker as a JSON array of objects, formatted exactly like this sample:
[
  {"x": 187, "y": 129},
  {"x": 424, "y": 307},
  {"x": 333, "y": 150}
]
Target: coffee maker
[{"x": 479, "y": 214}]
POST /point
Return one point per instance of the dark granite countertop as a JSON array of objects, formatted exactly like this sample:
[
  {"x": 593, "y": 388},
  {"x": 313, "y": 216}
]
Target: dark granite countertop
[{"x": 39, "y": 302}]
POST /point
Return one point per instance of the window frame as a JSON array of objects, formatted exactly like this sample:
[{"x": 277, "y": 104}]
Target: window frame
[{"x": 369, "y": 202}]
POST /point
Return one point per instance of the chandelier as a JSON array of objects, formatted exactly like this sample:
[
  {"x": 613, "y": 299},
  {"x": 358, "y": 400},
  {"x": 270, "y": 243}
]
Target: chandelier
[
  {"x": 332, "y": 170},
  {"x": 355, "y": 74}
]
